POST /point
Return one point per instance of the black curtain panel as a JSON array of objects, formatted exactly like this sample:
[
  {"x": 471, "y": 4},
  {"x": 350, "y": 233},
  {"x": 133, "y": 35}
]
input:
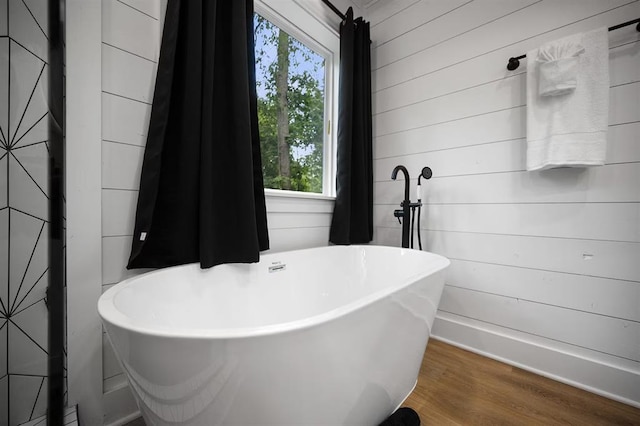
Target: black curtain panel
[
  {"x": 352, "y": 221},
  {"x": 201, "y": 192}
]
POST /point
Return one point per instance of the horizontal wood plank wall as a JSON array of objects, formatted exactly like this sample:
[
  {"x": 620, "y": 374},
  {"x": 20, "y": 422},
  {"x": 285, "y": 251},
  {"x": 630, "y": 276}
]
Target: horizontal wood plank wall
[
  {"x": 543, "y": 263},
  {"x": 131, "y": 33}
]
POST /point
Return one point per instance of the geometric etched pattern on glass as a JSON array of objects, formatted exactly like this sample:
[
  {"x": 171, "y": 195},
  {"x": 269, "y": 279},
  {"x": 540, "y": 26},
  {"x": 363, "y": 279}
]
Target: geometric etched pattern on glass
[{"x": 24, "y": 154}]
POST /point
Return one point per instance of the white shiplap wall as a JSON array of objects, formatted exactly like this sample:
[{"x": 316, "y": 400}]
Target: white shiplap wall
[
  {"x": 545, "y": 269},
  {"x": 131, "y": 31}
]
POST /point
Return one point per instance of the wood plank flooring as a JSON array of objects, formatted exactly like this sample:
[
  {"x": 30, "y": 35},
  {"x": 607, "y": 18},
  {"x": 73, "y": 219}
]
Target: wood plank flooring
[{"x": 457, "y": 387}]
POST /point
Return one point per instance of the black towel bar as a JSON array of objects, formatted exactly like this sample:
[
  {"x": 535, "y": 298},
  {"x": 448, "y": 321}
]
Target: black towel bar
[{"x": 514, "y": 62}]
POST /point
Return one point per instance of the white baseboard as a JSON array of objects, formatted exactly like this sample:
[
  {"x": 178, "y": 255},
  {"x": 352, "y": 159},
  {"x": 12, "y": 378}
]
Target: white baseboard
[
  {"x": 119, "y": 406},
  {"x": 617, "y": 381}
]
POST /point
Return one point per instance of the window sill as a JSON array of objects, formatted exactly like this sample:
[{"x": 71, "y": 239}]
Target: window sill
[
  {"x": 279, "y": 201},
  {"x": 278, "y": 193}
]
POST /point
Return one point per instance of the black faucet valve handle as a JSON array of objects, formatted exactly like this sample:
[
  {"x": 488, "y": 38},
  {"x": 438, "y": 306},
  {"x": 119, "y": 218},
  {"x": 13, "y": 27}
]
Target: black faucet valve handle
[{"x": 398, "y": 214}]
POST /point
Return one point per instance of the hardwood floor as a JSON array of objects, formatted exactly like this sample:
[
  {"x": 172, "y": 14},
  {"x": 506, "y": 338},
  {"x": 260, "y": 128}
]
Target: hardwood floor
[
  {"x": 457, "y": 387},
  {"x": 136, "y": 422}
]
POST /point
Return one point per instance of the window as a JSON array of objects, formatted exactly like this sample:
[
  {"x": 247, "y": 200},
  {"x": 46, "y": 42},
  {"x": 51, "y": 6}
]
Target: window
[{"x": 293, "y": 109}]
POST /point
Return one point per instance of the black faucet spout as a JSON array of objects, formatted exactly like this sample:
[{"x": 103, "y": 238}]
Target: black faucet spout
[
  {"x": 405, "y": 172},
  {"x": 405, "y": 204}
]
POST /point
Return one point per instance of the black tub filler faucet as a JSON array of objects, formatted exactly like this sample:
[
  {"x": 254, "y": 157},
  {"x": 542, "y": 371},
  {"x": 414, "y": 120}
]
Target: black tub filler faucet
[
  {"x": 408, "y": 205},
  {"x": 404, "y": 213}
]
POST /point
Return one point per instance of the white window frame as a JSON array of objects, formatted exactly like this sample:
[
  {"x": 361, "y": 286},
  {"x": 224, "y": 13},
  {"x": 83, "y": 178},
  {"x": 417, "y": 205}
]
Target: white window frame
[{"x": 317, "y": 35}]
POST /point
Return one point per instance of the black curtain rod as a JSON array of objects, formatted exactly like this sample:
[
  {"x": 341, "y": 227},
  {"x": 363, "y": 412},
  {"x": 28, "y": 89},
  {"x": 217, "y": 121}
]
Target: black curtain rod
[
  {"x": 514, "y": 62},
  {"x": 335, "y": 9}
]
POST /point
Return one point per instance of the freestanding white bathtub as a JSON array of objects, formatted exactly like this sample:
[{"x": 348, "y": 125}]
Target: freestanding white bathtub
[{"x": 325, "y": 336}]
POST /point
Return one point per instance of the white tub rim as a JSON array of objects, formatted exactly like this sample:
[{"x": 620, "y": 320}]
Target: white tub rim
[{"x": 112, "y": 315}]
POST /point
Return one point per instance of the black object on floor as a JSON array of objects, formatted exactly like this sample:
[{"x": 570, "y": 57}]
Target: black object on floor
[{"x": 402, "y": 417}]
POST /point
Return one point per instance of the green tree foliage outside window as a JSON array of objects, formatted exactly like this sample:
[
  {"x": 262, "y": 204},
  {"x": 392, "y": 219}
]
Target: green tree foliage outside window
[{"x": 290, "y": 85}]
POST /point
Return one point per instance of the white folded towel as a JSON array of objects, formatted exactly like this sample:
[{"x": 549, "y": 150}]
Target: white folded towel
[
  {"x": 567, "y": 126},
  {"x": 558, "y": 68}
]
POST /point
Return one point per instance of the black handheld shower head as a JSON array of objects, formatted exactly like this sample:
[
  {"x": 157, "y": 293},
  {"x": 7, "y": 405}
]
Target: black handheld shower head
[{"x": 425, "y": 173}]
